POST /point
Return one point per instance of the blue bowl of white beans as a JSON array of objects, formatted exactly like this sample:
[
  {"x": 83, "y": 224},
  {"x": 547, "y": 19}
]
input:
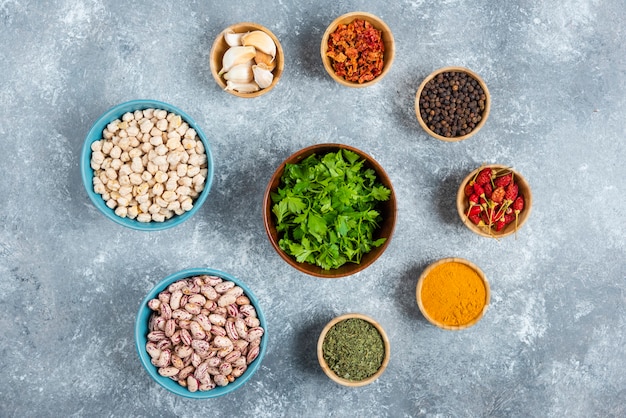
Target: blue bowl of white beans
[
  {"x": 222, "y": 358},
  {"x": 146, "y": 165}
]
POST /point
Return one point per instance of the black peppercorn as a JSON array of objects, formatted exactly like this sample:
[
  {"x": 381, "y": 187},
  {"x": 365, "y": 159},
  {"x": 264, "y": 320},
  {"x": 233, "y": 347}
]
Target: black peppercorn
[{"x": 461, "y": 100}]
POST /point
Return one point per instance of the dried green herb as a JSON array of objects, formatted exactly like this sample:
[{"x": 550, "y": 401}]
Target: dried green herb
[{"x": 353, "y": 349}]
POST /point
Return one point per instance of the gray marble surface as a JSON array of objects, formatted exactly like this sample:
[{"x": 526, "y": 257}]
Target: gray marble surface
[{"x": 552, "y": 343}]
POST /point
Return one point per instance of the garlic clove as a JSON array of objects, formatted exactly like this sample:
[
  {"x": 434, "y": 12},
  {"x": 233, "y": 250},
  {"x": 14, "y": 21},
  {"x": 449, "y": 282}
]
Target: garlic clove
[
  {"x": 250, "y": 87},
  {"x": 262, "y": 75},
  {"x": 263, "y": 58},
  {"x": 261, "y": 41},
  {"x": 232, "y": 38},
  {"x": 241, "y": 73},
  {"x": 236, "y": 55}
]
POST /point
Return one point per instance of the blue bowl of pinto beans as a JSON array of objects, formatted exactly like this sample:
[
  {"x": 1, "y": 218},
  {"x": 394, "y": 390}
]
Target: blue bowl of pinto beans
[
  {"x": 146, "y": 165},
  {"x": 200, "y": 333}
]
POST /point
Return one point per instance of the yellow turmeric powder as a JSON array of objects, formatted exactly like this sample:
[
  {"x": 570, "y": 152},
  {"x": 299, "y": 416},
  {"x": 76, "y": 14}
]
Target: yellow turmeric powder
[{"x": 453, "y": 294}]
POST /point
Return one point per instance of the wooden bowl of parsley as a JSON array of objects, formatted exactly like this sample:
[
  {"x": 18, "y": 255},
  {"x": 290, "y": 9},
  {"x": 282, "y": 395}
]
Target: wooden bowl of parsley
[{"x": 329, "y": 210}]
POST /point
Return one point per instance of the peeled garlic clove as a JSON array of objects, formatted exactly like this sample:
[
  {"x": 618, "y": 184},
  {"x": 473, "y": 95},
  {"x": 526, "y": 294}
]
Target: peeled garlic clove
[
  {"x": 266, "y": 59},
  {"x": 232, "y": 38},
  {"x": 261, "y": 41},
  {"x": 242, "y": 87},
  {"x": 236, "y": 55},
  {"x": 262, "y": 75},
  {"x": 240, "y": 73}
]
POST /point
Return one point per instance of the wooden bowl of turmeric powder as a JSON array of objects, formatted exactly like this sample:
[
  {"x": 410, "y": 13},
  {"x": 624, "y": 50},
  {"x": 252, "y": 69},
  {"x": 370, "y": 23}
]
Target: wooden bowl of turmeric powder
[
  {"x": 357, "y": 49},
  {"x": 453, "y": 293}
]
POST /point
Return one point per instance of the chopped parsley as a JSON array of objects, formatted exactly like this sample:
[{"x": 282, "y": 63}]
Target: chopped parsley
[{"x": 325, "y": 209}]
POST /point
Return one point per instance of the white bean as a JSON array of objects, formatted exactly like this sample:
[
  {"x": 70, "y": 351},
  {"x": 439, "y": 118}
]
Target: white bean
[
  {"x": 158, "y": 189},
  {"x": 135, "y": 178},
  {"x": 124, "y": 180},
  {"x": 144, "y": 217},
  {"x": 142, "y": 166},
  {"x": 186, "y": 204},
  {"x": 158, "y": 217},
  {"x": 132, "y": 212},
  {"x": 145, "y": 126},
  {"x": 161, "y": 125}
]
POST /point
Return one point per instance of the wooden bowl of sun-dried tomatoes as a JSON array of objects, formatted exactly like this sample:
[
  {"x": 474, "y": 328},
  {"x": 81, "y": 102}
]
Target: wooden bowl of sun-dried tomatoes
[
  {"x": 357, "y": 49},
  {"x": 494, "y": 201}
]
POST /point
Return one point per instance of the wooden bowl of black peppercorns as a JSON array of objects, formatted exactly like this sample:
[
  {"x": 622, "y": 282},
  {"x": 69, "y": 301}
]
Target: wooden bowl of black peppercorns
[{"x": 452, "y": 104}]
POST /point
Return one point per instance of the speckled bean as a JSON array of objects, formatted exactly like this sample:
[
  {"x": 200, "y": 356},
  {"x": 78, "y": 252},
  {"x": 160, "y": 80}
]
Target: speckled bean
[
  {"x": 222, "y": 342},
  {"x": 185, "y": 336},
  {"x": 231, "y": 331},
  {"x": 204, "y": 332},
  {"x": 219, "y": 320},
  {"x": 224, "y": 286},
  {"x": 193, "y": 308},
  {"x": 175, "y": 299},
  {"x": 181, "y": 314},
  {"x": 226, "y": 300},
  {"x": 248, "y": 310},
  {"x": 220, "y": 380},
  {"x": 239, "y": 370},
  {"x": 209, "y": 292},
  {"x": 170, "y": 328},
  {"x": 168, "y": 371},
  {"x": 186, "y": 371},
  {"x": 192, "y": 384},
  {"x": 254, "y": 333},
  {"x": 253, "y": 353},
  {"x": 153, "y": 350}
]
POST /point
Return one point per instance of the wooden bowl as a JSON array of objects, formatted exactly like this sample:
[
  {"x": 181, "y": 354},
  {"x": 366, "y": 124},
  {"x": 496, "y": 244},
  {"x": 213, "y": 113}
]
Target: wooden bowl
[
  {"x": 424, "y": 309},
  {"x": 220, "y": 46},
  {"x": 462, "y": 204},
  {"x": 485, "y": 114},
  {"x": 330, "y": 373},
  {"x": 387, "y": 210},
  {"x": 388, "y": 41}
]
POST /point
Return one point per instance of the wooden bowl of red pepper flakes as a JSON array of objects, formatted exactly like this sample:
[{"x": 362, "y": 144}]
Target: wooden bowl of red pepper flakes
[
  {"x": 357, "y": 49},
  {"x": 494, "y": 201}
]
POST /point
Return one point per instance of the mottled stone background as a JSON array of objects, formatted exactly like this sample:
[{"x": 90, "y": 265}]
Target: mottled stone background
[{"x": 552, "y": 343}]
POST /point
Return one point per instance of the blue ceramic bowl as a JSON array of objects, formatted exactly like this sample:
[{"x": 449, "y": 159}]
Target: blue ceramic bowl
[
  {"x": 87, "y": 172},
  {"x": 141, "y": 332}
]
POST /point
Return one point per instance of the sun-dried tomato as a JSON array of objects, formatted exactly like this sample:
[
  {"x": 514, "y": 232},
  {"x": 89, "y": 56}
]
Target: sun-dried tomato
[{"x": 356, "y": 51}]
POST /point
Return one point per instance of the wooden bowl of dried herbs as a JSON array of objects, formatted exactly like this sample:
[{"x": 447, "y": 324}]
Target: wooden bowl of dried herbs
[
  {"x": 353, "y": 350},
  {"x": 329, "y": 210}
]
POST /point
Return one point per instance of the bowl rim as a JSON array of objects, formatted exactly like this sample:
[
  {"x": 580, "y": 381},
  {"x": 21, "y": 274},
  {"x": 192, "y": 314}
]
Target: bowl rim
[
  {"x": 95, "y": 134},
  {"x": 461, "y": 203},
  {"x": 388, "y": 41},
  {"x": 220, "y": 43},
  {"x": 331, "y": 374},
  {"x": 420, "y": 283},
  {"x": 269, "y": 224},
  {"x": 141, "y": 327},
  {"x": 485, "y": 115}
]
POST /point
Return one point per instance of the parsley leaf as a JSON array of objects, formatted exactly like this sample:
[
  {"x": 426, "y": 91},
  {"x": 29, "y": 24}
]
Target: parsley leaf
[{"x": 326, "y": 209}]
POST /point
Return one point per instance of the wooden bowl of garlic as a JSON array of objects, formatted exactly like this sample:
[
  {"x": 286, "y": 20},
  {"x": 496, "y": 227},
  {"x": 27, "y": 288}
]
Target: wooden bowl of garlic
[{"x": 246, "y": 60}]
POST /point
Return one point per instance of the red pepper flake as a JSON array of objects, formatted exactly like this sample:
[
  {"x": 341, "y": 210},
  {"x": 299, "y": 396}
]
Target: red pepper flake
[{"x": 356, "y": 51}]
